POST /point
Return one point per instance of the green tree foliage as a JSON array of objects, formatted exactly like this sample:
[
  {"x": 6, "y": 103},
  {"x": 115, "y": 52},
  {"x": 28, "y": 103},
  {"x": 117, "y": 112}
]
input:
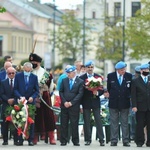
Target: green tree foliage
[
  {"x": 110, "y": 43},
  {"x": 2, "y": 9},
  {"x": 69, "y": 38},
  {"x": 138, "y": 32}
]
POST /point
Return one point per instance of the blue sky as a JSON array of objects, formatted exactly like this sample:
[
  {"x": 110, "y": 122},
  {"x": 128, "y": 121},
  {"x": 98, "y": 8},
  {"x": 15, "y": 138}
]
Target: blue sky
[{"x": 64, "y": 4}]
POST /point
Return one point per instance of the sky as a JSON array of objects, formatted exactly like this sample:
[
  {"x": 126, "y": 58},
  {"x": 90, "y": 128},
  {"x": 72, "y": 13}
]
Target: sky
[{"x": 64, "y": 4}]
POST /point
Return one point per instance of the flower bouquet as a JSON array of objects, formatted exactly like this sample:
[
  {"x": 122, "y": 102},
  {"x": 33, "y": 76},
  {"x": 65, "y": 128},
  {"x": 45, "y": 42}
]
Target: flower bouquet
[
  {"x": 94, "y": 83},
  {"x": 104, "y": 115},
  {"x": 21, "y": 116},
  {"x": 45, "y": 78}
]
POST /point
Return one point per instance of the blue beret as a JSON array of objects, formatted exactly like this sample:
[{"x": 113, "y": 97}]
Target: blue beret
[
  {"x": 89, "y": 63},
  {"x": 120, "y": 65},
  {"x": 137, "y": 68},
  {"x": 144, "y": 66},
  {"x": 70, "y": 69}
]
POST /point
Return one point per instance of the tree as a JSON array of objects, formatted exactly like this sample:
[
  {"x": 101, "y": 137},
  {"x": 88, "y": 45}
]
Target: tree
[
  {"x": 69, "y": 37},
  {"x": 138, "y": 32},
  {"x": 2, "y": 9},
  {"x": 110, "y": 42}
]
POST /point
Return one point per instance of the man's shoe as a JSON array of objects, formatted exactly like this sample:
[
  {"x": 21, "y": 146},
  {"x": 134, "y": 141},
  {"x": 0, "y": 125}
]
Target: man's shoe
[
  {"x": 113, "y": 144},
  {"x": 19, "y": 143},
  {"x": 126, "y": 144},
  {"x": 15, "y": 143},
  {"x": 5, "y": 143},
  {"x": 76, "y": 144},
  {"x": 102, "y": 144},
  {"x": 63, "y": 144},
  {"x": 139, "y": 145},
  {"x": 87, "y": 143},
  {"x": 30, "y": 144}
]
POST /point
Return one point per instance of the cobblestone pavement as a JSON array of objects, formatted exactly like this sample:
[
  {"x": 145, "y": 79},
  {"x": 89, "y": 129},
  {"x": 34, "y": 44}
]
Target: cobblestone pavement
[{"x": 94, "y": 145}]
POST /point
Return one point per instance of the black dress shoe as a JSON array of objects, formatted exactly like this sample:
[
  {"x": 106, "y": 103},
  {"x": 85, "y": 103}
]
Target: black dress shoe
[
  {"x": 76, "y": 144},
  {"x": 102, "y": 144},
  {"x": 126, "y": 144},
  {"x": 30, "y": 144},
  {"x": 139, "y": 145},
  {"x": 87, "y": 143},
  {"x": 15, "y": 143},
  {"x": 19, "y": 143},
  {"x": 5, "y": 143},
  {"x": 63, "y": 144},
  {"x": 113, "y": 144}
]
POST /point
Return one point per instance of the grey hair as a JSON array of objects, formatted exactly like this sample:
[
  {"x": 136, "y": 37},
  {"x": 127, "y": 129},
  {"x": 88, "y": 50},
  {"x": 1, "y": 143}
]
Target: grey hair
[{"x": 28, "y": 65}]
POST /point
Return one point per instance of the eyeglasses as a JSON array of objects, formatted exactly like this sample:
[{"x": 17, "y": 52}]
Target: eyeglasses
[
  {"x": 11, "y": 73},
  {"x": 90, "y": 67}
]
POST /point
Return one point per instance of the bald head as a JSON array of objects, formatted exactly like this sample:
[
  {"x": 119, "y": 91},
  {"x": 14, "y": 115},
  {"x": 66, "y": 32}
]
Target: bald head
[{"x": 7, "y": 65}]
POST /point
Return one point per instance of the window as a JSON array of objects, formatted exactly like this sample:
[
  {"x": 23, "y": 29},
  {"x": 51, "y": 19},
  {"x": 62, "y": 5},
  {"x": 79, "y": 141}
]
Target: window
[
  {"x": 117, "y": 9},
  {"x": 93, "y": 15},
  {"x": 1, "y": 45},
  {"x": 135, "y": 6}
]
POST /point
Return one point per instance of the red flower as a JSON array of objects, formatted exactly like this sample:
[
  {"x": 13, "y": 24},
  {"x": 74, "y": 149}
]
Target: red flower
[
  {"x": 8, "y": 118},
  {"x": 19, "y": 131},
  {"x": 30, "y": 120},
  {"x": 16, "y": 107}
]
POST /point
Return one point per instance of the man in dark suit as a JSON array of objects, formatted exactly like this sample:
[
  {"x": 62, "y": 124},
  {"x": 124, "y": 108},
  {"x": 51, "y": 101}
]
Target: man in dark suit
[
  {"x": 118, "y": 85},
  {"x": 7, "y": 96},
  {"x": 3, "y": 74},
  {"x": 71, "y": 92},
  {"x": 91, "y": 101},
  {"x": 26, "y": 85},
  {"x": 140, "y": 96}
]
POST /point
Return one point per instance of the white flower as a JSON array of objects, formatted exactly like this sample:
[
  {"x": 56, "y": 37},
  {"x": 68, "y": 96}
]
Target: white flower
[
  {"x": 21, "y": 113},
  {"x": 19, "y": 125},
  {"x": 23, "y": 119},
  {"x": 13, "y": 112},
  {"x": 17, "y": 116},
  {"x": 103, "y": 107},
  {"x": 104, "y": 115}
]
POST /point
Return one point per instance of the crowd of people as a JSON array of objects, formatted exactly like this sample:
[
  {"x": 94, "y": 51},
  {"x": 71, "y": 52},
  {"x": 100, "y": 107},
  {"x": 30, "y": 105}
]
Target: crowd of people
[{"x": 127, "y": 94}]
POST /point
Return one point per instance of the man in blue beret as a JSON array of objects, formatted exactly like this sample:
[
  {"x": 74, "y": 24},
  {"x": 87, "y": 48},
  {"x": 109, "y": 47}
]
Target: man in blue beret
[
  {"x": 118, "y": 85},
  {"x": 71, "y": 92},
  {"x": 140, "y": 97},
  {"x": 90, "y": 101}
]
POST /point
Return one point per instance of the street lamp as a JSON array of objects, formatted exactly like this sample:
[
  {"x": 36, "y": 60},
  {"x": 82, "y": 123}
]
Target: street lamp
[
  {"x": 54, "y": 38},
  {"x": 123, "y": 32},
  {"x": 83, "y": 46}
]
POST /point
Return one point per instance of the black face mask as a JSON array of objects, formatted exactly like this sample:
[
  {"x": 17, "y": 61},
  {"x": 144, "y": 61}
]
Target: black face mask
[
  {"x": 144, "y": 73},
  {"x": 34, "y": 66}
]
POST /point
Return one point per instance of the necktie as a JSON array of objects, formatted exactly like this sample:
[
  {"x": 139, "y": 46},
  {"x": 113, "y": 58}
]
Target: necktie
[
  {"x": 11, "y": 84},
  {"x": 26, "y": 81},
  {"x": 71, "y": 83},
  {"x": 145, "y": 80},
  {"x": 119, "y": 79}
]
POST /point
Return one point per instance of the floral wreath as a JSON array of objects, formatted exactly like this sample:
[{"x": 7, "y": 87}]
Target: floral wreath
[{"x": 21, "y": 116}]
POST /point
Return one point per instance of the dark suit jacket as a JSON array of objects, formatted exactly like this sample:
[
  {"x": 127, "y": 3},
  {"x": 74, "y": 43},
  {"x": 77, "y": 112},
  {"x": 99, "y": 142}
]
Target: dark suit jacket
[
  {"x": 119, "y": 95},
  {"x": 2, "y": 75},
  {"x": 140, "y": 94},
  {"x": 5, "y": 93},
  {"x": 90, "y": 101},
  {"x": 20, "y": 89},
  {"x": 74, "y": 95}
]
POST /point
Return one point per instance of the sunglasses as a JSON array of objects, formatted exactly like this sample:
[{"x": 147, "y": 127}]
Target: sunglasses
[
  {"x": 90, "y": 67},
  {"x": 11, "y": 73}
]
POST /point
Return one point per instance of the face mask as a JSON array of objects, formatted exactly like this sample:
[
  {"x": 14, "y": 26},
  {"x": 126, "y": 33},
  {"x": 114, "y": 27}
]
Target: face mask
[
  {"x": 26, "y": 73},
  {"x": 144, "y": 73},
  {"x": 34, "y": 66}
]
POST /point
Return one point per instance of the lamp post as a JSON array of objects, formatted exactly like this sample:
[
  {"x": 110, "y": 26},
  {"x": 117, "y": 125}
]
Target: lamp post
[
  {"x": 123, "y": 32},
  {"x": 54, "y": 38},
  {"x": 83, "y": 46}
]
